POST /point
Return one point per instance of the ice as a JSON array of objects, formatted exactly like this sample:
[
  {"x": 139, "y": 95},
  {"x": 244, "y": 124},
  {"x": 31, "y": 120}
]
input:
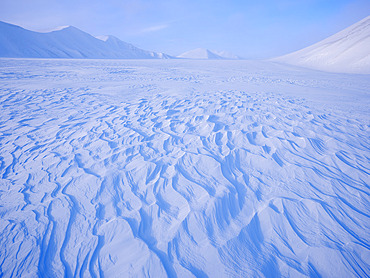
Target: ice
[{"x": 182, "y": 168}]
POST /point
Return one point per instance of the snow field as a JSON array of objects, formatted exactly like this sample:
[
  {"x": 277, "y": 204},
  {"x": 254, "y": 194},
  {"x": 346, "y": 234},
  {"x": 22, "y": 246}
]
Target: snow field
[{"x": 182, "y": 169}]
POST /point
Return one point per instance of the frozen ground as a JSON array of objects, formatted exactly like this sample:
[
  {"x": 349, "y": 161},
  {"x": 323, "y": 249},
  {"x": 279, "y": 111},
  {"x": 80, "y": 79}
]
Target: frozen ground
[{"x": 182, "y": 168}]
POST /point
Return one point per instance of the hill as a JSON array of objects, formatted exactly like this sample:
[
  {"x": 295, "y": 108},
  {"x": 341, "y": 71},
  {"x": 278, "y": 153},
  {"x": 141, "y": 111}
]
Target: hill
[
  {"x": 346, "y": 51},
  {"x": 205, "y": 54}
]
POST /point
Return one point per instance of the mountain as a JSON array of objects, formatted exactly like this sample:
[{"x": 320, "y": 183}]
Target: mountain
[
  {"x": 205, "y": 54},
  {"x": 347, "y": 51},
  {"x": 123, "y": 48},
  {"x": 66, "y": 42},
  {"x": 200, "y": 53},
  {"x": 227, "y": 55}
]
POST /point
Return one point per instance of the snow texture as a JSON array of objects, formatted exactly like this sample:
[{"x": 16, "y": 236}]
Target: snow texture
[
  {"x": 182, "y": 168},
  {"x": 66, "y": 42},
  {"x": 347, "y": 51}
]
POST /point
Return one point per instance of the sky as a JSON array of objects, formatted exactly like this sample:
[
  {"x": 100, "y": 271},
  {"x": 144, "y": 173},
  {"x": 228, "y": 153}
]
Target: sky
[{"x": 251, "y": 29}]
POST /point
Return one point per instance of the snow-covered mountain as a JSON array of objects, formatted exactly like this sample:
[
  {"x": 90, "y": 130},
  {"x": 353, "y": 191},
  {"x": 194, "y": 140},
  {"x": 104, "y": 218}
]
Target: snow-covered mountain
[
  {"x": 346, "y": 51},
  {"x": 206, "y": 54},
  {"x": 200, "y": 53},
  {"x": 66, "y": 42},
  {"x": 227, "y": 55}
]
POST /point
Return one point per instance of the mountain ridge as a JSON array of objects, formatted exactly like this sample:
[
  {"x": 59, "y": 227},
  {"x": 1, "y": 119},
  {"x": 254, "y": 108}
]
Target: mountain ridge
[{"x": 66, "y": 42}]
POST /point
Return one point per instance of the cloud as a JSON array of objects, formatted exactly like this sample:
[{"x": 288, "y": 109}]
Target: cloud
[{"x": 154, "y": 28}]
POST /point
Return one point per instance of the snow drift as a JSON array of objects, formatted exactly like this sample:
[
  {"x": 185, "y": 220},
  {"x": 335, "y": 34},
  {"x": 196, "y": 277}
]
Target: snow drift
[
  {"x": 346, "y": 51},
  {"x": 66, "y": 42},
  {"x": 180, "y": 168}
]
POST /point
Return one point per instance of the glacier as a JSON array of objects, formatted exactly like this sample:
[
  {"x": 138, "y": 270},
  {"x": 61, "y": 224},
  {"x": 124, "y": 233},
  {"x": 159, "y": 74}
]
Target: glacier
[{"x": 182, "y": 168}]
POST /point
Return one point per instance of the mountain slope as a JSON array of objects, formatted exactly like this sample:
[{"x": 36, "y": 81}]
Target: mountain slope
[
  {"x": 68, "y": 42},
  {"x": 126, "y": 49},
  {"x": 346, "y": 51}
]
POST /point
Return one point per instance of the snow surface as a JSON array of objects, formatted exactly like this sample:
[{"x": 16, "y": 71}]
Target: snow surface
[
  {"x": 205, "y": 54},
  {"x": 66, "y": 42},
  {"x": 182, "y": 168},
  {"x": 346, "y": 51}
]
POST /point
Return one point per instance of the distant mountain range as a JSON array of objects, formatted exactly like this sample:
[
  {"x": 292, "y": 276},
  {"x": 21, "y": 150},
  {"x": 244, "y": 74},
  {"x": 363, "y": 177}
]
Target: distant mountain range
[
  {"x": 346, "y": 51},
  {"x": 71, "y": 42},
  {"x": 205, "y": 54},
  {"x": 66, "y": 42}
]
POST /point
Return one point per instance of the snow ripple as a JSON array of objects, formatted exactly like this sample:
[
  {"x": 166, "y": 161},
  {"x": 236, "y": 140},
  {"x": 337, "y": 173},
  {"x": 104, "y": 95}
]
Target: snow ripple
[{"x": 226, "y": 183}]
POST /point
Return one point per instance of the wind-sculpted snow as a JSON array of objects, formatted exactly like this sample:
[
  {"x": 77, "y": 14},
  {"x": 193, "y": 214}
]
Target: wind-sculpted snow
[{"x": 138, "y": 169}]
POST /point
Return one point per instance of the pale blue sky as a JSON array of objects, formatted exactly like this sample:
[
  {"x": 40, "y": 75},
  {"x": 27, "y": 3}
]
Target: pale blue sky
[{"x": 250, "y": 28}]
